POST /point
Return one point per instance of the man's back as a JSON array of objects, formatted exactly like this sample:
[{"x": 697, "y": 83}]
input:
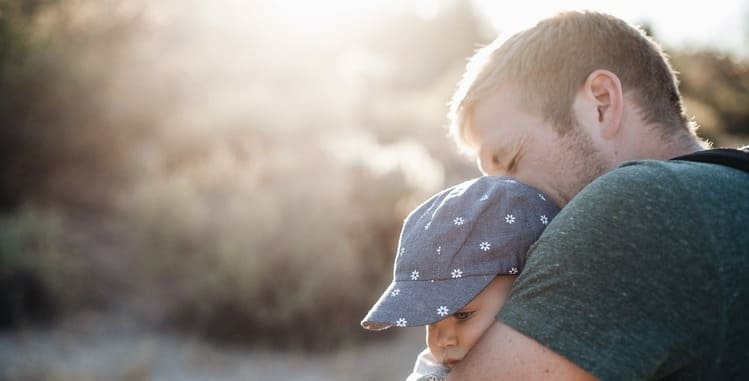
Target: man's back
[{"x": 644, "y": 275}]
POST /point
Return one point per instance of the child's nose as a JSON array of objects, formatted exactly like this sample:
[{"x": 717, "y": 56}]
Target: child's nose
[{"x": 447, "y": 336}]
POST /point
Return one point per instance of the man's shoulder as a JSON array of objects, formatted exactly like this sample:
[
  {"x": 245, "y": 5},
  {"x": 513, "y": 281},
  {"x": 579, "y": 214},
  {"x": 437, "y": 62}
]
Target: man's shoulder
[
  {"x": 643, "y": 170},
  {"x": 636, "y": 180},
  {"x": 642, "y": 201},
  {"x": 680, "y": 167},
  {"x": 670, "y": 178},
  {"x": 642, "y": 244}
]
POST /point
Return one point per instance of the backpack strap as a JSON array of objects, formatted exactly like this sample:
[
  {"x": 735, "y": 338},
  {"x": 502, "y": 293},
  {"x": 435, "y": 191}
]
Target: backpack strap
[{"x": 735, "y": 158}]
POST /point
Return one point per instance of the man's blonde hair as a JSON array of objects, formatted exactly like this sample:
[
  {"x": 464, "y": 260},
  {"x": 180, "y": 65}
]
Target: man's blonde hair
[{"x": 546, "y": 65}]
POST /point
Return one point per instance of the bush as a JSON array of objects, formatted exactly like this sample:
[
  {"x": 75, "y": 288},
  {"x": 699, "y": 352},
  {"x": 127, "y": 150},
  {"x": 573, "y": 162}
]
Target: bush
[
  {"x": 716, "y": 91},
  {"x": 291, "y": 256},
  {"x": 59, "y": 143}
]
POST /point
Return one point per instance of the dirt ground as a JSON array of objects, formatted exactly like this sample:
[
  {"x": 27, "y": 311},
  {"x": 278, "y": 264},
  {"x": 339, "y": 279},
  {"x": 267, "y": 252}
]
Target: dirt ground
[{"x": 105, "y": 348}]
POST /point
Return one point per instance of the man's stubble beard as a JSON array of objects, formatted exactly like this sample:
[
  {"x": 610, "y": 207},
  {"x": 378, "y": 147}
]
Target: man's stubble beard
[{"x": 581, "y": 159}]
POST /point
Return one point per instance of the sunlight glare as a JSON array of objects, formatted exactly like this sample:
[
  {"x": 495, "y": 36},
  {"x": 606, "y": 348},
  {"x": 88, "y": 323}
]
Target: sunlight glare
[
  {"x": 688, "y": 24},
  {"x": 325, "y": 14}
]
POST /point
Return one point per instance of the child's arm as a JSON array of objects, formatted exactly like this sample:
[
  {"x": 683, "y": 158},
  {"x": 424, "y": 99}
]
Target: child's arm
[{"x": 427, "y": 368}]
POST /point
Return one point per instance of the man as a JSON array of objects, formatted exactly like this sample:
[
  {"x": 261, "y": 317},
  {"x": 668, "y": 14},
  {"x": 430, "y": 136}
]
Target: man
[{"x": 645, "y": 272}]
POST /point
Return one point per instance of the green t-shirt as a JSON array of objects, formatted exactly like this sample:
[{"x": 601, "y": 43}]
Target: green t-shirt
[{"x": 645, "y": 275}]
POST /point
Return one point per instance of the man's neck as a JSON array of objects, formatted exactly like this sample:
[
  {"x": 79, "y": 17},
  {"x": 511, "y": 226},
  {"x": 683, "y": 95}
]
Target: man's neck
[
  {"x": 679, "y": 146},
  {"x": 665, "y": 148}
]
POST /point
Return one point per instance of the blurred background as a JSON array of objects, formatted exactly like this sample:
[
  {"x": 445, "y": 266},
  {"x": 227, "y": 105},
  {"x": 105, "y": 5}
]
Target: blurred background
[{"x": 196, "y": 190}]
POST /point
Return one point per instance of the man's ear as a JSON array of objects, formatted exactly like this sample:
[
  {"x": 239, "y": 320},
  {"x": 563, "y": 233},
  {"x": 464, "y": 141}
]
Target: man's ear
[{"x": 603, "y": 91}]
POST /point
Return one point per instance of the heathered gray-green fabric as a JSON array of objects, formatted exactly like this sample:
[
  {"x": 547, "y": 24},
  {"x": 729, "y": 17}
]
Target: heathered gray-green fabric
[{"x": 645, "y": 275}]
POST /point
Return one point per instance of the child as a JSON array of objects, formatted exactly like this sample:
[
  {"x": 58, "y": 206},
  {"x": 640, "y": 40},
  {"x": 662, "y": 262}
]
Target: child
[{"x": 457, "y": 257}]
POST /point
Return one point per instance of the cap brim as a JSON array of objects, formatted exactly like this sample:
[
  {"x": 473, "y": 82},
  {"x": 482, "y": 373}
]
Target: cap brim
[{"x": 418, "y": 303}]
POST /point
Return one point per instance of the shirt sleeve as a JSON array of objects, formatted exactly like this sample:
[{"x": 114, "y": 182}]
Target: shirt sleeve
[
  {"x": 427, "y": 368},
  {"x": 605, "y": 284}
]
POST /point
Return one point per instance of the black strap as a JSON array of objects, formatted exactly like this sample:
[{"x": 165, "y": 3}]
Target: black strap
[{"x": 729, "y": 157}]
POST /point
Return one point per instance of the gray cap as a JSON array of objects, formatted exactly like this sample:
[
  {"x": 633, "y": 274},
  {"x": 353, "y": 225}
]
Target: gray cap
[{"x": 453, "y": 245}]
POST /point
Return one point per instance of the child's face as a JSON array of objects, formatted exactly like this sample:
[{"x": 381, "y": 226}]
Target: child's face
[{"x": 450, "y": 338}]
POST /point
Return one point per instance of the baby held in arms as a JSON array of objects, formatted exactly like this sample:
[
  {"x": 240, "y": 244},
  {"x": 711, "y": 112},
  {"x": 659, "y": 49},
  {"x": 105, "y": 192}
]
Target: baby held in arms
[{"x": 457, "y": 257}]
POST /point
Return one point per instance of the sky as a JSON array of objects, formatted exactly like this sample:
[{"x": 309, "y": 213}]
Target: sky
[{"x": 721, "y": 24}]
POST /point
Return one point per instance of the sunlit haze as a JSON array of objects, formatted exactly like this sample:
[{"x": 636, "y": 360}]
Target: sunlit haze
[
  {"x": 690, "y": 24},
  {"x": 719, "y": 24}
]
